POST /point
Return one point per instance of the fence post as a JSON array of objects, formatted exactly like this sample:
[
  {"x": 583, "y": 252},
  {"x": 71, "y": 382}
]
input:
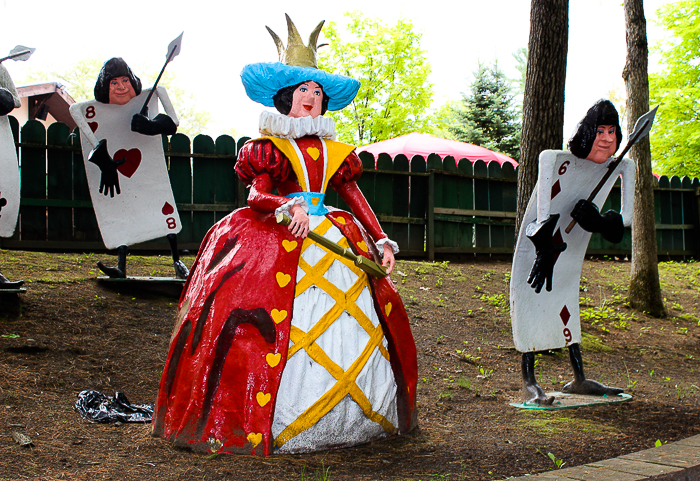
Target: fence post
[{"x": 430, "y": 237}]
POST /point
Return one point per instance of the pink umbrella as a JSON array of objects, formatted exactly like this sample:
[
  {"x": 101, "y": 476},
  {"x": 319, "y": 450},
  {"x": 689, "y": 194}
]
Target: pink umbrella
[{"x": 424, "y": 145}]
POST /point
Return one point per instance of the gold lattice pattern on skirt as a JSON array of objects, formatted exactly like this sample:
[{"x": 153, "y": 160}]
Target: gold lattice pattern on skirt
[{"x": 344, "y": 301}]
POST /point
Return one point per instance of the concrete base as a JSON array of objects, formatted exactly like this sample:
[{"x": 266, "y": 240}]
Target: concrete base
[
  {"x": 170, "y": 286},
  {"x": 21, "y": 290},
  {"x": 565, "y": 401}
]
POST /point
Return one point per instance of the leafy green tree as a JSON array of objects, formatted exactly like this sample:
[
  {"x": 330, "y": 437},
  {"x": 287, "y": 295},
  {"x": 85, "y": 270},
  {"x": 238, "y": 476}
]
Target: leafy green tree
[
  {"x": 487, "y": 115},
  {"x": 675, "y": 140},
  {"x": 389, "y": 62},
  {"x": 80, "y": 79}
]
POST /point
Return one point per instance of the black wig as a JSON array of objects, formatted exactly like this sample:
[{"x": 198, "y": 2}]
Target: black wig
[
  {"x": 603, "y": 112},
  {"x": 283, "y": 98},
  {"x": 114, "y": 67}
]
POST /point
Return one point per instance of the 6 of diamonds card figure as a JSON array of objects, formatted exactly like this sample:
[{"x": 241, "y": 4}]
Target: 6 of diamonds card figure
[
  {"x": 547, "y": 256},
  {"x": 124, "y": 162}
]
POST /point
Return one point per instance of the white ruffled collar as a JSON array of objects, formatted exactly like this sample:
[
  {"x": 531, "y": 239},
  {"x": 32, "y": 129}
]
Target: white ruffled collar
[{"x": 278, "y": 125}]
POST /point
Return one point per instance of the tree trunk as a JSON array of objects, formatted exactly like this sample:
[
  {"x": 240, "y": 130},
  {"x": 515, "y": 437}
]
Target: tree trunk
[
  {"x": 543, "y": 106},
  {"x": 645, "y": 291}
]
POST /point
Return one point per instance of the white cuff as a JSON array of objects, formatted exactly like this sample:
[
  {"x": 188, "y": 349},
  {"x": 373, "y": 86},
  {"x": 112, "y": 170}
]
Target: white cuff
[
  {"x": 380, "y": 246},
  {"x": 288, "y": 205}
]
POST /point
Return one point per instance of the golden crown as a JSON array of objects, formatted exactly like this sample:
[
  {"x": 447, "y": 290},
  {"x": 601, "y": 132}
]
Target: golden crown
[{"x": 296, "y": 53}]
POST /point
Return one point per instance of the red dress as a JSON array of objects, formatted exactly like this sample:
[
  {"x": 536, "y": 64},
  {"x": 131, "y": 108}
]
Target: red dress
[{"x": 235, "y": 334}]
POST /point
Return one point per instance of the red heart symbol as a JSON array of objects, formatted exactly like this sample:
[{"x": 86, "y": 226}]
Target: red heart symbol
[
  {"x": 167, "y": 209},
  {"x": 93, "y": 126},
  {"x": 133, "y": 160}
]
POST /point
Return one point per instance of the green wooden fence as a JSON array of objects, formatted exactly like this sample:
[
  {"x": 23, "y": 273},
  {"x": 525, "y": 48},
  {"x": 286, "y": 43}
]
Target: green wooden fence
[{"x": 429, "y": 206}]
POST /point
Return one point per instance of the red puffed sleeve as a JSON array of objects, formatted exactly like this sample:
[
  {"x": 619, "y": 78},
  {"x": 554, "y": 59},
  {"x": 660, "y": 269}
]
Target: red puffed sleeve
[
  {"x": 344, "y": 182},
  {"x": 262, "y": 167},
  {"x": 262, "y": 157}
]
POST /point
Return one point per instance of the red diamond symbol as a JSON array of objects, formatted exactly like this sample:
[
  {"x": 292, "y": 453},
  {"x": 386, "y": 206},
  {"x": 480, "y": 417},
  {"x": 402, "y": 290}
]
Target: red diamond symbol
[
  {"x": 556, "y": 188},
  {"x": 565, "y": 315}
]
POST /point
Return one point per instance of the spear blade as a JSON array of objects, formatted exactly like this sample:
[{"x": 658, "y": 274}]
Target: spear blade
[
  {"x": 641, "y": 128},
  {"x": 19, "y": 53},
  {"x": 174, "y": 48},
  {"x": 173, "y": 51}
]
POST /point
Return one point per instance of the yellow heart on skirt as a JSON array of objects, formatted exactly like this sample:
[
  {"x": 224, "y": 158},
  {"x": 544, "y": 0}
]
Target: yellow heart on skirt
[
  {"x": 278, "y": 316},
  {"x": 273, "y": 359},
  {"x": 283, "y": 279},
  {"x": 263, "y": 398},
  {"x": 255, "y": 438},
  {"x": 289, "y": 246}
]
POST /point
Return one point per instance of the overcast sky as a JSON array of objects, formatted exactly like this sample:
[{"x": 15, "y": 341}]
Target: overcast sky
[{"x": 221, "y": 37}]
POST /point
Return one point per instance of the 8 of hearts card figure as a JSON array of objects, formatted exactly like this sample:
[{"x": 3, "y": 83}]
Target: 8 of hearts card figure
[
  {"x": 546, "y": 256},
  {"x": 9, "y": 168},
  {"x": 125, "y": 164}
]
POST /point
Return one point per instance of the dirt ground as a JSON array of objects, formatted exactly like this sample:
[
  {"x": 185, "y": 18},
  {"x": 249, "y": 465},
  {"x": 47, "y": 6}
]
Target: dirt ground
[{"x": 69, "y": 332}]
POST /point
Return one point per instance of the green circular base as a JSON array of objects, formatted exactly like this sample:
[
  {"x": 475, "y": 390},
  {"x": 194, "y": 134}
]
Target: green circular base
[{"x": 566, "y": 401}]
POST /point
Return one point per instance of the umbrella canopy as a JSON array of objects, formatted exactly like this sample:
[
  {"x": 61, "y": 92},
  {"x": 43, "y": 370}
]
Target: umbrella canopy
[{"x": 424, "y": 145}]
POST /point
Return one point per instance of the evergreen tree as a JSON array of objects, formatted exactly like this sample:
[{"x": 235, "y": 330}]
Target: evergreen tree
[{"x": 488, "y": 116}]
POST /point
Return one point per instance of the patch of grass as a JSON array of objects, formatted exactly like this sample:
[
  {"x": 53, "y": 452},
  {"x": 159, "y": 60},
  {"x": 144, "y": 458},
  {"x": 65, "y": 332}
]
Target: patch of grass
[
  {"x": 444, "y": 396},
  {"x": 487, "y": 275},
  {"x": 604, "y": 316},
  {"x": 464, "y": 382},
  {"x": 499, "y": 301},
  {"x": 548, "y": 424},
  {"x": 589, "y": 342}
]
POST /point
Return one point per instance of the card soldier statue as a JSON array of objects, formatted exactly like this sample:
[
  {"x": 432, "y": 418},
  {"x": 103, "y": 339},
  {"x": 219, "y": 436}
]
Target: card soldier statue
[
  {"x": 547, "y": 256},
  {"x": 125, "y": 164},
  {"x": 9, "y": 167}
]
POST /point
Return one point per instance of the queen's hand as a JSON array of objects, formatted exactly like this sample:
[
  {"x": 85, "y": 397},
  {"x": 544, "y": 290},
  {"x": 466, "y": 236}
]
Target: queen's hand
[
  {"x": 299, "y": 226},
  {"x": 388, "y": 259}
]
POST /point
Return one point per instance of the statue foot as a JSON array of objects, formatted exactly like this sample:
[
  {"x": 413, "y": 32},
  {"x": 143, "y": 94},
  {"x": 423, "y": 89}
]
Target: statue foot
[
  {"x": 5, "y": 284},
  {"x": 588, "y": 386},
  {"x": 533, "y": 394},
  {"x": 181, "y": 270},
  {"x": 113, "y": 272}
]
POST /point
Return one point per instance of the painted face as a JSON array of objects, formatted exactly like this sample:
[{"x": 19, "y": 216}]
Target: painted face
[
  {"x": 120, "y": 90},
  {"x": 605, "y": 144},
  {"x": 306, "y": 101}
]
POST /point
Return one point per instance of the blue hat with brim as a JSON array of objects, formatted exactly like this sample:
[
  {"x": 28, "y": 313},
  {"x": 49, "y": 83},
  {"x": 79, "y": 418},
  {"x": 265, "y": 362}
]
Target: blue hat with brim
[{"x": 263, "y": 80}]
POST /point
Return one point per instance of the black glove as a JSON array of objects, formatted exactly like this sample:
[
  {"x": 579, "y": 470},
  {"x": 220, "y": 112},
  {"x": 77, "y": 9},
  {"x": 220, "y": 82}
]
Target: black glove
[
  {"x": 109, "y": 182},
  {"x": 7, "y": 102},
  {"x": 162, "y": 124},
  {"x": 609, "y": 224},
  {"x": 545, "y": 252}
]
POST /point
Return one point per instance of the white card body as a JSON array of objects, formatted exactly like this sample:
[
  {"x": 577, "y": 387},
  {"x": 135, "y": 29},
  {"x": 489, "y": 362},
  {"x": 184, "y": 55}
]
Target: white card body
[
  {"x": 9, "y": 180},
  {"x": 145, "y": 209},
  {"x": 550, "y": 319}
]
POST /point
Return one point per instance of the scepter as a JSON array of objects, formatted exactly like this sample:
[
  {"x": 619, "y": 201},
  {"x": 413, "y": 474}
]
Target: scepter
[
  {"x": 19, "y": 53},
  {"x": 641, "y": 128},
  {"x": 173, "y": 51},
  {"x": 367, "y": 265}
]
